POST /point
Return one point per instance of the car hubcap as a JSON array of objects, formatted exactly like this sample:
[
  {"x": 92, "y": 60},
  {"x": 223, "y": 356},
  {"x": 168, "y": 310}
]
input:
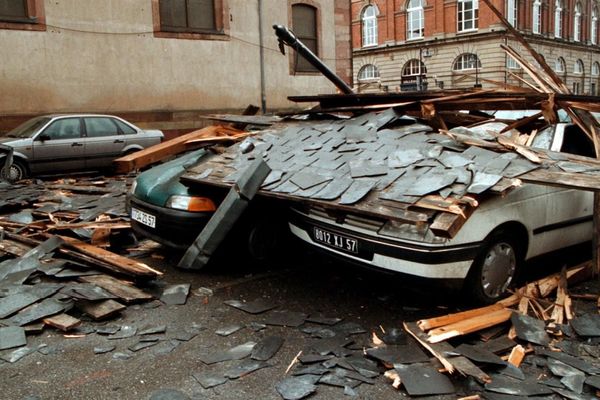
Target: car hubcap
[
  {"x": 14, "y": 173},
  {"x": 498, "y": 269}
]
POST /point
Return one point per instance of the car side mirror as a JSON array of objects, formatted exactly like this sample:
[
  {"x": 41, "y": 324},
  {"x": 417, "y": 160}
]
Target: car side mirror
[{"x": 44, "y": 136}]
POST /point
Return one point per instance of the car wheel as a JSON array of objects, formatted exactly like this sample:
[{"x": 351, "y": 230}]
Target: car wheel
[
  {"x": 16, "y": 172},
  {"x": 266, "y": 241},
  {"x": 494, "y": 269}
]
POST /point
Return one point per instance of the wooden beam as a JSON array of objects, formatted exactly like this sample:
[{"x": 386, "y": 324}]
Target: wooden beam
[
  {"x": 469, "y": 325},
  {"x": 123, "y": 290}
]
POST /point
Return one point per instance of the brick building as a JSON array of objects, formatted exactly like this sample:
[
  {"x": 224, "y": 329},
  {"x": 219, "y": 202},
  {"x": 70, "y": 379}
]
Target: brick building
[{"x": 401, "y": 45}]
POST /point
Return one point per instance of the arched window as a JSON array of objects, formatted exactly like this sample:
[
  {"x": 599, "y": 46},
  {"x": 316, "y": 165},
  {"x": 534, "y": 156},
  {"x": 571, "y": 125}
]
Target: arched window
[
  {"x": 468, "y": 15},
  {"x": 558, "y": 12},
  {"x": 537, "y": 16},
  {"x": 414, "y": 67},
  {"x": 304, "y": 24},
  {"x": 369, "y": 26},
  {"x": 577, "y": 23},
  {"x": 415, "y": 21},
  {"x": 595, "y": 69},
  {"x": 466, "y": 61},
  {"x": 368, "y": 72},
  {"x": 594, "y": 26},
  {"x": 578, "y": 67},
  {"x": 560, "y": 65},
  {"x": 511, "y": 12}
]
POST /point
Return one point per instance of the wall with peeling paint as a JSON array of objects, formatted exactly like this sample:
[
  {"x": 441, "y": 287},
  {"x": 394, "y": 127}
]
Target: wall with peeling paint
[{"x": 103, "y": 56}]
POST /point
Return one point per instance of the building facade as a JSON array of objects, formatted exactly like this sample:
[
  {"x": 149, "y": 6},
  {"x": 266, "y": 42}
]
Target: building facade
[
  {"x": 402, "y": 45},
  {"x": 162, "y": 63}
]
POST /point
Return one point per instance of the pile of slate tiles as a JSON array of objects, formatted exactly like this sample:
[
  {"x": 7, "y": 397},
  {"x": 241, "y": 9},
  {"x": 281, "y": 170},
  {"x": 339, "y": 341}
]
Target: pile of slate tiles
[{"x": 48, "y": 278}]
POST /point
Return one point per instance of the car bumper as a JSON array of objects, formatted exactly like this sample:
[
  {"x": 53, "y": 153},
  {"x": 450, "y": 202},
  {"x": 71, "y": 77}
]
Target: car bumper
[
  {"x": 437, "y": 262},
  {"x": 173, "y": 228}
]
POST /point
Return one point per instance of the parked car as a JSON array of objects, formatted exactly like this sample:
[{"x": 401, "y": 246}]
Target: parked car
[
  {"x": 57, "y": 143},
  {"x": 164, "y": 209},
  {"x": 484, "y": 255}
]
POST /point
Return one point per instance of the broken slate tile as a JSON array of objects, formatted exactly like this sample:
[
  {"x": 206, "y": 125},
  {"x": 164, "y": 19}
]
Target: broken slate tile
[
  {"x": 314, "y": 369},
  {"x": 165, "y": 347},
  {"x": 309, "y": 358},
  {"x": 357, "y": 191},
  {"x": 121, "y": 356},
  {"x": 567, "y": 394},
  {"x": 107, "y": 329},
  {"x": 404, "y": 157},
  {"x": 570, "y": 360},
  {"x": 285, "y": 318},
  {"x": 38, "y": 311},
  {"x": 574, "y": 382},
  {"x": 176, "y": 294},
  {"x": 593, "y": 381},
  {"x": 530, "y": 329},
  {"x": 18, "y": 354},
  {"x": 482, "y": 182},
  {"x": 306, "y": 180},
  {"x": 334, "y": 189},
  {"x": 561, "y": 369},
  {"x": 256, "y": 306},
  {"x": 126, "y": 331},
  {"x": 12, "y": 336},
  {"x": 398, "y": 354},
  {"x": 506, "y": 385},
  {"x": 15, "y": 302},
  {"x": 267, "y": 348},
  {"x": 479, "y": 355},
  {"x": 168, "y": 394},
  {"x": 228, "y": 330},
  {"x": 319, "y": 319},
  {"x": 333, "y": 379},
  {"x": 209, "y": 379},
  {"x": 587, "y": 325},
  {"x": 419, "y": 380},
  {"x": 297, "y": 387},
  {"x": 362, "y": 168},
  {"x": 153, "y": 330},
  {"x": 104, "y": 349},
  {"x": 142, "y": 344},
  {"x": 256, "y": 327},
  {"x": 186, "y": 335},
  {"x": 234, "y": 353},
  {"x": 244, "y": 368},
  {"x": 319, "y": 332},
  {"x": 394, "y": 336}
]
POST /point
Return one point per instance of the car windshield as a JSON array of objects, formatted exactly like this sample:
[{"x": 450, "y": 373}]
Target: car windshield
[{"x": 29, "y": 127}]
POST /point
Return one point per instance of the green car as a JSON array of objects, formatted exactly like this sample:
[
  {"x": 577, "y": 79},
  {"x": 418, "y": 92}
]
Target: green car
[{"x": 167, "y": 211}]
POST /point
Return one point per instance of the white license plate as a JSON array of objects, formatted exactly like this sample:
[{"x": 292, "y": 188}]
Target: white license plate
[
  {"x": 336, "y": 241},
  {"x": 143, "y": 217}
]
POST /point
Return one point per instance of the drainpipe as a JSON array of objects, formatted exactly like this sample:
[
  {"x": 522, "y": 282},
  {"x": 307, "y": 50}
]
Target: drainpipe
[{"x": 263, "y": 91}]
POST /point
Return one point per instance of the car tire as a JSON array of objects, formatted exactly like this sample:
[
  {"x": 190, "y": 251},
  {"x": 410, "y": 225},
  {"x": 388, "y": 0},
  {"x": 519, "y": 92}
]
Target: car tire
[
  {"x": 16, "y": 172},
  {"x": 266, "y": 241},
  {"x": 494, "y": 269}
]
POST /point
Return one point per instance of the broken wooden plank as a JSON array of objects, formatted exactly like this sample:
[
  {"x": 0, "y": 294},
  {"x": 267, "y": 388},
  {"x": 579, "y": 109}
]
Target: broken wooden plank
[
  {"x": 174, "y": 146},
  {"x": 427, "y": 324},
  {"x": 447, "y": 224},
  {"x": 123, "y": 290},
  {"x": 100, "y": 310},
  {"x": 63, "y": 321},
  {"x": 469, "y": 325},
  {"x": 517, "y": 355},
  {"x": 122, "y": 263}
]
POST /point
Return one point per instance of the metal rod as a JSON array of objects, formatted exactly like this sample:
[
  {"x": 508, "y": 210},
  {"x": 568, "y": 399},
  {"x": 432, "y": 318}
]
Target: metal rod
[
  {"x": 263, "y": 90},
  {"x": 286, "y": 36}
]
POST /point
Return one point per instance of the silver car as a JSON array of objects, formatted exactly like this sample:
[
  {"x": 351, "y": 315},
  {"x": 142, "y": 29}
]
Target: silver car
[{"x": 56, "y": 143}]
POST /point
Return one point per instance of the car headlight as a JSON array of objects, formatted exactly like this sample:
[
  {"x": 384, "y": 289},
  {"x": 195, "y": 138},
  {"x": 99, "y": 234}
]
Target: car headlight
[
  {"x": 133, "y": 187},
  {"x": 190, "y": 203},
  {"x": 417, "y": 233}
]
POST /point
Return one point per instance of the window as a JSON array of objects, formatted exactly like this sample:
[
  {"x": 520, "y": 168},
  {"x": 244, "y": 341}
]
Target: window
[
  {"x": 22, "y": 14},
  {"x": 100, "y": 126},
  {"x": 511, "y": 12},
  {"x": 368, "y": 72},
  {"x": 594, "y": 26},
  {"x": 124, "y": 128},
  {"x": 414, "y": 67},
  {"x": 595, "y": 69},
  {"x": 415, "y": 21},
  {"x": 466, "y": 61},
  {"x": 468, "y": 15},
  {"x": 558, "y": 12},
  {"x": 537, "y": 17},
  {"x": 304, "y": 25},
  {"x": 67, "y": 128},
  {"x": 511, "y": 63},
  {"x": 577, "y": 23},
  {"x": 369, "y": 26},
  {"x": 190, "y": 19},
  {"x": 560, "y": 65},
  {"x": 578, "y": 67}
]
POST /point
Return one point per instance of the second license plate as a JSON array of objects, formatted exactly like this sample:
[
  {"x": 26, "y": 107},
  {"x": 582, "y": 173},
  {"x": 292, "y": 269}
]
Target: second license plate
[{"x": 336, "y": 241}]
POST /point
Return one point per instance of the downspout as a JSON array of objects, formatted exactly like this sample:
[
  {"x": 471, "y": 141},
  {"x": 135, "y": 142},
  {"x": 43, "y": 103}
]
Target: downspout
[{"x": 263, "y": 91}]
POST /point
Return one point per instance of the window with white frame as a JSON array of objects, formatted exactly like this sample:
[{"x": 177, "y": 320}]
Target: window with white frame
[
  {"x": 466, "y": 61},
  {"x": 594, "y": 26},
  {"x": 558, "y": 13},
  {"x": 578, "y": 67},
  {"x": 368, "y": 72},
  {"x": 511, "y": 63},
  {"x": 511, "y": 12},
  {"x": 577, "y": 23},
  {"x": 468, "y": 15},
  {"x": 537, "y": 17},
  {"x": 414, "y": 67},
  {"x": 560, "y": 65},
  {"x": 595, "y": 69},
  {"x": 415, "y": 20},
  {"x": 369, "y": 26}
]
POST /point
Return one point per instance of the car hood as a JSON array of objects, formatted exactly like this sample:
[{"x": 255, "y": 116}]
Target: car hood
[
  {"x": 157, "y": 184},
  {"x": 14, "y": 142}
]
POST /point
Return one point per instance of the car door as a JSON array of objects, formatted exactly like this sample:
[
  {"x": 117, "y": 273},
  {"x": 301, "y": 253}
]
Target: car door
[
  {"x": 103, "y": 143},
  {"x": 59, "y": 147},
  {"x": 568, "y": 211}
]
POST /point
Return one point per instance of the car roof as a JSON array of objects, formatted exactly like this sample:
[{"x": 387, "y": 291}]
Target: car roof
[{"x": 78, "y": 115}]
